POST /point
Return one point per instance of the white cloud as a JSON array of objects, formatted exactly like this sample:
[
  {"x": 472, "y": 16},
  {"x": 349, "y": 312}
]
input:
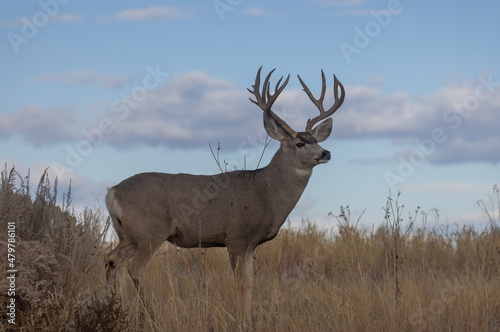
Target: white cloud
[
  {"x": 354, "y": 12},
  {"x": 259, "y": 11},
  {"x": 39, "y": 126},
  {"x": 446, "y": 187},
  {"x": 62, "y": 18},
  {"x": 153, "y": 13},
  {"x": 68, "y": 18},
  {"x": 337, "y": 2},
  {"x": 469, "y": 124},
  {"x": 189, "y": 110},
  {"x": 83, "y": 77}
]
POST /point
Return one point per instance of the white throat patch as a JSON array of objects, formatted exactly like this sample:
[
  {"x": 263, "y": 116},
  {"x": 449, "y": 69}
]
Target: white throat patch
[{"x": 303, "y": 172}]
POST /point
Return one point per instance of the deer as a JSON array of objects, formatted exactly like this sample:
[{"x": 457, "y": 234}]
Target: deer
[{"x": 238, "y": 210}]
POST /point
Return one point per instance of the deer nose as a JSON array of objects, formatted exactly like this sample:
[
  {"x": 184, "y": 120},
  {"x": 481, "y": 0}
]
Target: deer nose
[{"x": 326, "y": 155}]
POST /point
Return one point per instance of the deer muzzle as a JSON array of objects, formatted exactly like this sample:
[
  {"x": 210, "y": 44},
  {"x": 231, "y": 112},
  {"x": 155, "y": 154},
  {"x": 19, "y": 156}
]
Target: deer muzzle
[{"x": 325, "y": 156}]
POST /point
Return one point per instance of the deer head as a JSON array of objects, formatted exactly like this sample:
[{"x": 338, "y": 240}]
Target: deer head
[{"x": 302, "y": 147}]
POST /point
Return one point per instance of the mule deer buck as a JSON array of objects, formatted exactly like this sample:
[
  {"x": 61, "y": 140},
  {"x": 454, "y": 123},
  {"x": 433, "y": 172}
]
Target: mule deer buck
[{"x": 238, "y": 210}]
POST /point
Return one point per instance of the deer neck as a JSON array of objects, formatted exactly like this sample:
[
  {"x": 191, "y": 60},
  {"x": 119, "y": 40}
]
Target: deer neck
[{"x": 285, "y": 181}]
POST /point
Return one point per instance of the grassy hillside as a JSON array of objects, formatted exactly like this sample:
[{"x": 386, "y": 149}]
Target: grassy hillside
[{"x": 404, "y": 276}]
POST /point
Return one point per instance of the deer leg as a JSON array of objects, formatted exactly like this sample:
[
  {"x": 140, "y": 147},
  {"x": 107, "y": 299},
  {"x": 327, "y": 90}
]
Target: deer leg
[
  {"x": 143, "y": 256},
  {"x": 242, "y": 264}
]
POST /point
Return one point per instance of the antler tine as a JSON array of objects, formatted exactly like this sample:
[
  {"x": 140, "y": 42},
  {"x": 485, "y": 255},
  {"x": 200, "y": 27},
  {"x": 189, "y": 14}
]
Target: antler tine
[
  {"x": 265, "y": 99},
  {"x": 336, "y": 84},
  {"x": 323, "y": 88},
  {"x": 265, "y": 89},
  {"x": 255, "y": 87},
  {"x": 319, "y": 102}
]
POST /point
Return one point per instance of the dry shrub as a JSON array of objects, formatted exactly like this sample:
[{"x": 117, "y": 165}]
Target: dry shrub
[
  {"x": 58, "y": 257},
  {"x": 102, "y": 313},
  {"x": 39, "y": 292}
]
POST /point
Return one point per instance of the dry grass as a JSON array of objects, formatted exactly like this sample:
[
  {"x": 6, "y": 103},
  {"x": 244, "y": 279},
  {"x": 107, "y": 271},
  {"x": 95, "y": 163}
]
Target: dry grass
[{"x": 399, "y": 277}]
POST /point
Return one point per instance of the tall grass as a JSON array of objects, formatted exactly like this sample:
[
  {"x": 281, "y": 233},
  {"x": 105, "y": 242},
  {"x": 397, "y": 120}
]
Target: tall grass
[{"x": 406, "y": 275}]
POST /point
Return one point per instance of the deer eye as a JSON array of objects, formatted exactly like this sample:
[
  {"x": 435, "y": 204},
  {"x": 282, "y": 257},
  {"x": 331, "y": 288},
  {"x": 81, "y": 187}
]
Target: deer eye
[{"x": 300, "y": 145}]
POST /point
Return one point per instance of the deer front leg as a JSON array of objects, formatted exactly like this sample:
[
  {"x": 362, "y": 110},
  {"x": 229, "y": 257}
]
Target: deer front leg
[
  {"x": 143, "y": 256},
  {"x": 242, "y": 265}
]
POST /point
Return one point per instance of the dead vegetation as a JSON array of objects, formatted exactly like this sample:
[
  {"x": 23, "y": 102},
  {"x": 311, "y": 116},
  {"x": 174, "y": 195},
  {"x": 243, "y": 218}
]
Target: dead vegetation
[
  {"x": 407, "y": 275},
  {"x": 58, "y": 258}
]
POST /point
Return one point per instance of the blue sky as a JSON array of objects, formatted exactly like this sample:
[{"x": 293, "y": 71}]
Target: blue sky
[{"x": 99, "y": 92}]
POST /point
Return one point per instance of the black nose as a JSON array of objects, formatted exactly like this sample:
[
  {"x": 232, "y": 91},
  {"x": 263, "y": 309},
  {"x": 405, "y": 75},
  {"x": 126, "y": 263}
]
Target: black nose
[{"x": 326, "y": 155}]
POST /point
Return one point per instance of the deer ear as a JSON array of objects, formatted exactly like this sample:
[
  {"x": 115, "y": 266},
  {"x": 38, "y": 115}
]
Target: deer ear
[
  {"x": 273, "y": 129},
  {"x": 323, "y": 130}
]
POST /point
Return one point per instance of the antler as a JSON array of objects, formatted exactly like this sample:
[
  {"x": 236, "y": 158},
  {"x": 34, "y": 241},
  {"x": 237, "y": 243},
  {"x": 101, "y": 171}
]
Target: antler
[
  {"x": 265, "y": 100},
  {"x": 319, "y": 102}
]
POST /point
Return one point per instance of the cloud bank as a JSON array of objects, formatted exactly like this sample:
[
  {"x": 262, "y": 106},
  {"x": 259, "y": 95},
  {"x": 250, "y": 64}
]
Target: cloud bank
[
  {"x": 83, "y": 77},
  {"x": 191, "y": 109}
]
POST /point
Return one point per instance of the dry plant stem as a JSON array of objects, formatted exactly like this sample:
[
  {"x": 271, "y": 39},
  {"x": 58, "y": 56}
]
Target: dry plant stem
[
  {"x": 266, "y": 143},
  {"x": 490, "y": 210},
  {"x": 216, "y": 158},
  {"x": 393, "y": 215}
]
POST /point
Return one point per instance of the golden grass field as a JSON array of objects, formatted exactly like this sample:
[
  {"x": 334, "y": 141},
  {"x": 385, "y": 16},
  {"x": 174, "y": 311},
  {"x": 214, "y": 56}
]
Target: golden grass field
[{"x": 408, "y": 275}]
